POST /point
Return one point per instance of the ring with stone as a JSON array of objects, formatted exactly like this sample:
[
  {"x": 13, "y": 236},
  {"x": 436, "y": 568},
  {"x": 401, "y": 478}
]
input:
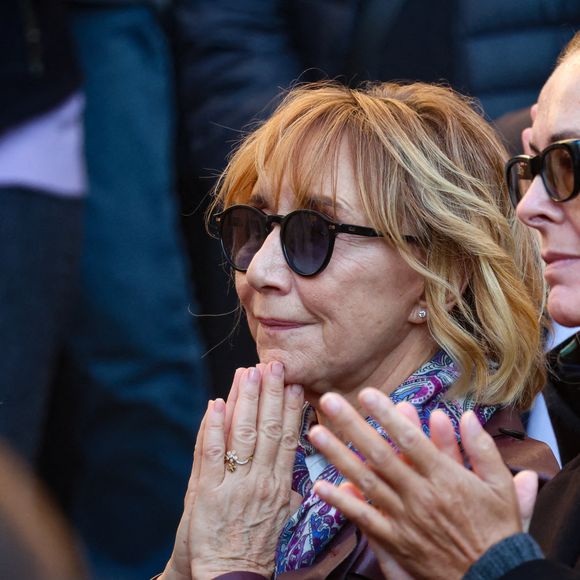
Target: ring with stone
[{"x": 232, "y": 460}]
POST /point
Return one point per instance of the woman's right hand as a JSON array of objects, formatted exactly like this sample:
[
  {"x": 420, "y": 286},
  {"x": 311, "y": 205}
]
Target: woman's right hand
[{"x": 232, "y": 519}]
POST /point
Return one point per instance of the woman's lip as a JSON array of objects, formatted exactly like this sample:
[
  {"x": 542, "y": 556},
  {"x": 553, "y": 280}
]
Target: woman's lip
[{"x": 275, "y": 323}]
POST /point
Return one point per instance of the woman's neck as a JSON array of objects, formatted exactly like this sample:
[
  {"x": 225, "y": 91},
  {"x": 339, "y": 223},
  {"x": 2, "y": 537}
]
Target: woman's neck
[{"x": 387, "y": 377}]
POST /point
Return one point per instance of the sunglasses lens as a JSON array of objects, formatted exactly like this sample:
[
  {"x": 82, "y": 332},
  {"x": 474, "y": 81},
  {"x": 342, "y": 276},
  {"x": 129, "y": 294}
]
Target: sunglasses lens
[
  {"x": 242, "y": 234},
  {"x": 307, "y": 240},
  {"x": 519, "y": 178},
  {"x": 558, "y": 173}
]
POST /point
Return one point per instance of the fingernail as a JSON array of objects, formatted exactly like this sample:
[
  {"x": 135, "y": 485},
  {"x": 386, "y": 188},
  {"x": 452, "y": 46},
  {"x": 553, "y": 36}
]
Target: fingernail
[
  {"x": 219, "y": 406},
  {"x": 369, "y": 398},
  {"x": 330, "y": 403},
  {"x": 296, "y": 390},
  {"x": 472, "y": 424},
  {"x": 254, "y": 375},
  {"x": 317, "y": 436},
  {"x": 322, "y": 488},
  {"x": 277, "y": 369}
]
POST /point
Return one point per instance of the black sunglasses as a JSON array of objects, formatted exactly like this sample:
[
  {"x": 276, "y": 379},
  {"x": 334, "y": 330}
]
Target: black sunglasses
[
  {"x": 307, "y": 236},
  {"x": 558, "y": 165}
]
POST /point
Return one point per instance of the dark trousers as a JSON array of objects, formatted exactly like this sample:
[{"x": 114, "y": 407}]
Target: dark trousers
[{"x": 40, "y": 244}]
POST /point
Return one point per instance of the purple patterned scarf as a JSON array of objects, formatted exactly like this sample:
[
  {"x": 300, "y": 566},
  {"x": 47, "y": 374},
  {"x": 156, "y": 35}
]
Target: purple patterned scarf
[{"x": 311, "y": 528}]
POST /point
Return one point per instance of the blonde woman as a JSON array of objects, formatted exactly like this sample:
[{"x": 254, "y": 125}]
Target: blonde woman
[{"x": 373, "y": 243}]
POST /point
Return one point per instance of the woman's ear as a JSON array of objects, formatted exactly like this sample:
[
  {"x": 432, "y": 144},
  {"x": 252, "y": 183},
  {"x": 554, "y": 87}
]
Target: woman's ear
[
  {"x": 421, "y": 315},
  {"x": 420, "y": 312}
]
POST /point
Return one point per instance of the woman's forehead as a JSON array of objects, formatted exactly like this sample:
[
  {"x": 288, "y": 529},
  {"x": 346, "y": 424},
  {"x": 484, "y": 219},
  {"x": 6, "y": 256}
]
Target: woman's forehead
[
  {"x": 333, "y": 189},
  {"x": 287, "y": 200}
]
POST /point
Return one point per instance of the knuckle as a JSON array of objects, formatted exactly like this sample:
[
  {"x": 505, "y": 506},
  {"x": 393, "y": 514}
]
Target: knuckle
[
  {"x": 213, "y": 452},
  {"x": 246, "y": 434},
  {"x": 408, "y": 439},
  {"x": 289, "y": 440},
  {"x": 264, "y": 488},
  {"x": 284, "y": 495},
  {"x": 368, "y": 481},
  {"x": 363, "y": 519},
  {"x": 485, "y": 443},
  {"x": 444, "y": 496},
  {"x": 249, "y": 395},
  {"x": 427, "y": 498},
  {"x": 378, "y": 455},
  {"x": 272, "y": 429},
  {"x": 274, "y": 386}
]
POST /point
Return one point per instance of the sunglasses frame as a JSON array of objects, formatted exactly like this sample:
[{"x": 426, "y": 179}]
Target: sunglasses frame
[
  {"x": 536, "y": 166},
  {"x": 269, "y": 220}
]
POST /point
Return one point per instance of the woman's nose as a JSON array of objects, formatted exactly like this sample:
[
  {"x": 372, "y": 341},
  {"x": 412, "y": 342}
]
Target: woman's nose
[{"x": 268, "y": 267}]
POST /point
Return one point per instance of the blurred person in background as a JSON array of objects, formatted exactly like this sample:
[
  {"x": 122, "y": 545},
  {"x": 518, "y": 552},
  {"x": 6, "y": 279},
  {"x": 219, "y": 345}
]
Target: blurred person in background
[
  {"x": 101, "y": 383},
  {"x": 42, "y": 185},
  {"x": 118, "y": 443}
]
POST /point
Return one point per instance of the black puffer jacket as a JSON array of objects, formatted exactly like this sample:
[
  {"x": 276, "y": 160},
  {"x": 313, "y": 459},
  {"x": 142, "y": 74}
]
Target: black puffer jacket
[
  {"x": 38, "y": 68},
  {"x": 506, "y": 50},
  {"x": 237, "y": 55}
]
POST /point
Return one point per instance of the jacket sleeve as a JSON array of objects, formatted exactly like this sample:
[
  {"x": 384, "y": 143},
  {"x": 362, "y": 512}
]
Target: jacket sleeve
[
  {"x": 503, "y": 557},
  {"x": 518, "y": 558},
  {"x": 541, "y": 570}
]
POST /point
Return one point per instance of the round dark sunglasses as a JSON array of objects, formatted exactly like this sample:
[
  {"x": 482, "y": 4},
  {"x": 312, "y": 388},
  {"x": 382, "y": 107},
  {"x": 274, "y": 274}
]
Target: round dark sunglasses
[
  {"x": 307, "y": 236},
  {"x": 558, "y": 165}
]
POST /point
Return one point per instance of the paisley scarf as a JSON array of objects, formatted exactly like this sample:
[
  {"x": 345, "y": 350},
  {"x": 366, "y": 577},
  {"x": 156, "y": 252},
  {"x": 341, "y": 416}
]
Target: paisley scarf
[{"x": 311, "y": 528}]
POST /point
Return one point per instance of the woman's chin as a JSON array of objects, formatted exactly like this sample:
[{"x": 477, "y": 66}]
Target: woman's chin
[{"x": 293, "y": 370}]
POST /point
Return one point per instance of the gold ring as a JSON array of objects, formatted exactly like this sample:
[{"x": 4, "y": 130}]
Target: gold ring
[{"x": 232, "y": 460}]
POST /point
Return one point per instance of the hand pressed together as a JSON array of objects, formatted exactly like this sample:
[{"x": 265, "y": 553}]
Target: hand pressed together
[{"x": 232, "y": 517}]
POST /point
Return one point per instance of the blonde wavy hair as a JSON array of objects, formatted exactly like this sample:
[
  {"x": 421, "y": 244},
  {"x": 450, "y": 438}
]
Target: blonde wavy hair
[{"x": 425, "y": 163}]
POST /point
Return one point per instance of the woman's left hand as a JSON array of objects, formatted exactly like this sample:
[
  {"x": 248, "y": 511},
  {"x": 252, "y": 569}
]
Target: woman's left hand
[{"x": 232, "y": 519}]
